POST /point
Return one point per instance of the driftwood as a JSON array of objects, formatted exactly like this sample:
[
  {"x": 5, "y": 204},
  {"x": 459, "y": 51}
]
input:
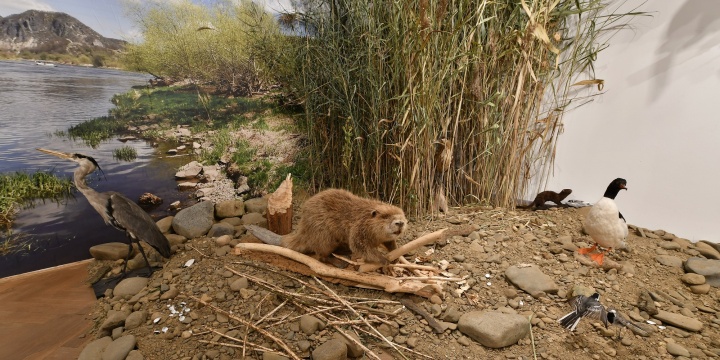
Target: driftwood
[
  {"x": 439, "y": 329},
  {"x": 393, "y": 255},
  {"x": 372, "y": 280},
  {"x": 279, "y": 210}
]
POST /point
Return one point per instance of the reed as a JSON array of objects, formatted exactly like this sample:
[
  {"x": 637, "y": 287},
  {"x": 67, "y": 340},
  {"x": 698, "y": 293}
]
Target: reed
[
  {"x": 125, "y": 153},
  {"x": 20, "y": 188},
  {"x": 419, "y": 101}
]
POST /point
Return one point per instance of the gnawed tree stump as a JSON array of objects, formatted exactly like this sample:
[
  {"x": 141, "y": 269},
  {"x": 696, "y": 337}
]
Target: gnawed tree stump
[{"x": 279, "y": 210}]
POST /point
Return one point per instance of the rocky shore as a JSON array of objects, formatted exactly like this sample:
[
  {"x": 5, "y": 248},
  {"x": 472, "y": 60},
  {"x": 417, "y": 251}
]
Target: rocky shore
[{"x": 519, "y": 268}]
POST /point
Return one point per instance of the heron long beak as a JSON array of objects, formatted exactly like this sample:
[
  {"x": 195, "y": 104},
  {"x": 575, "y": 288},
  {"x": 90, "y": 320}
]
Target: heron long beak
[{"x": 59, "y": 154}]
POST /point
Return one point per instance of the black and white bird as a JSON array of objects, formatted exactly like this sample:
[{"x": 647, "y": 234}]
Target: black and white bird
[
  {"x": 590, "y": 307},
  {"x": 585, "y": 306},
  {"x": 605, "y": 224}
]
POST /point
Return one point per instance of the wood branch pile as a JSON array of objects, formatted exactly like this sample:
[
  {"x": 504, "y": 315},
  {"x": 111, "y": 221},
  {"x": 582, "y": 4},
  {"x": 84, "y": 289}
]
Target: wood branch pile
[{"x": 354, "y": 318}]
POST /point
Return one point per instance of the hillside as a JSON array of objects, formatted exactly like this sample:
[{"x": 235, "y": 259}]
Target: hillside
[{"x": 34, "y": 33}]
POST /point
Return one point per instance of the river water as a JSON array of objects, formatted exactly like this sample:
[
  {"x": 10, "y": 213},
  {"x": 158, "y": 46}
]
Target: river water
[{"x": 35, "y": 102}]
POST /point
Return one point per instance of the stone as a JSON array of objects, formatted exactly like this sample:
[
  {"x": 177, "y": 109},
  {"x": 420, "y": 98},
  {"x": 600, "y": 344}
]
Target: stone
[
  {"x": 172, "y": 293},
  {"x": 94, "y": 350},
  {"x": 220, "y": 229},
  {"x": 709, "y": 268},
  {"x": 531, "y": 279},
  {"x": 194, "y": 221},
  {"x": 234, "y": 221},
  {"x": 700, "y": 289},
  {"x": 452, "y": 314},
  {"x": 254, "y": 218},
  {"x": 175, "y": 239},
  {"x": 353, "y": 349},
  {"x": 676, "y": 349},
  {"x": 148, "y": 200},
  {"x": 693, "y": 279},
  {"x": 334, "y": 349},
  {"x": 256, "y": 205},
  {"x": 189, "y": 171},
  {"x": 114, "y": 319},
  {"x": 223, "y": 239},
  {"x": 310, "y": 324},
  {"x": 120, "y": 348},
  {"x": 135, "y": 319},
  {"x": 110, "y": 251},
  {"x": 669, "y": 260},
  {"x": 185, "y": 186},
  {"x": 135, "y": 355},
  {"x": 273, "y": 356},
  {"x": 678, "y": 320},
  {"x": 230, "y": 208},
  {"x": 130, "y": 286},
  {"x": 241, "y": 283},
  {"x": 707, "y": 250},
  {"x": 165, "y": 224},
  {"x": 494, "y": 329}
]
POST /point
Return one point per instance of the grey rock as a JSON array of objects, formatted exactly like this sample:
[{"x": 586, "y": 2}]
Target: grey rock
[
  {"x": 452, "y": 314},
  {"x": 677, "y": 349},
  {"x": 186, "y": 186},
  {"x": 220, "y": 229},
  {"x": 120, "y": 348},
  {"x": 234, "y": 221},
  {"x": 110, "y": 251},
  {"x": 175, "y": 239},
  {"x": 273, "y": 356},
  {"x": 94, "y": 350},
  {"x": 706, "y": 267},
  {"x": 310, "y": 324},
  {"x": 680, "y": 321},
  {"x": 334, "y": 349},
  {"x": 135, "y": 355},
  {"x": 114, "y": 319},
  {"x": 130, "y": 286},
  {"x": 707, "y": 250},
  {"x": 531, "y": 279},
  {"x": 254, "y": 218},
  {"x": 135, "y": 319},
  {"x": 117, "y": 332},
  {"x": 165, "y": 224},
  {"x": 693, "y": 279},
  {"x": 256, "y": 205},
  {"x": 189, "y": 171},
  {"x": 353, "y": 350},
  {"x": 194, "y": 221},
  {"x": 669, "y": 260},
  {"x": 230, "y": 208},
  {"x": 241, "y": 283},
  {"x": 494, "y": 329}
]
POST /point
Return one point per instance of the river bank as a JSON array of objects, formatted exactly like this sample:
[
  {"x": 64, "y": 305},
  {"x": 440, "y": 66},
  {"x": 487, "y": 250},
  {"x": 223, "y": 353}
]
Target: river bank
[{"x": 164, "y": 319}]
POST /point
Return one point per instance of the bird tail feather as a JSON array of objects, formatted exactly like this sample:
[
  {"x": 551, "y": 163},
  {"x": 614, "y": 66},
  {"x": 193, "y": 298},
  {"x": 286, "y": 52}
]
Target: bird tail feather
[{"x": 570, "y": 320}]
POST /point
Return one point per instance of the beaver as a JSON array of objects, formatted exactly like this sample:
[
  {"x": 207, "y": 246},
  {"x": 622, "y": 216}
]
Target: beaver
[
  {"x": 545, "y": 196},
  {"x": 334, "y": 219}
]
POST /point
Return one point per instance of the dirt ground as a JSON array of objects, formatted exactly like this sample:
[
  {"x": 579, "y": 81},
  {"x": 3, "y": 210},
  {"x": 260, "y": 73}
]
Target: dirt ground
[{"x": 482, "y": 243}]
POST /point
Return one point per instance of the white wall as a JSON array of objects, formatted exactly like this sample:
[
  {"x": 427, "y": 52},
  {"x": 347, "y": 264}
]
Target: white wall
[{"x": 657, "y": 124}]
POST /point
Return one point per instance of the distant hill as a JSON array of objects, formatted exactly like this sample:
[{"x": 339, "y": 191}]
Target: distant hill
[{"x": 38, "y": 32}]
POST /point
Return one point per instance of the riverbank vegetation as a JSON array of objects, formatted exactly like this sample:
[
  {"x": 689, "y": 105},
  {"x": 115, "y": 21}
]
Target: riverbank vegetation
[
  {"x": 422, "y": 103},
  {"x": 18, "y": 189},
  {"x": 125, "y": 153},
  {"x": 86, "y": 57}
]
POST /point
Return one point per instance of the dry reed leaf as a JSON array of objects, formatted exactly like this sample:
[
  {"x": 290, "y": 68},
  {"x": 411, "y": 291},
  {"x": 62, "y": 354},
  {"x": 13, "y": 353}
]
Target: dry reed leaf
[{"x": 600, "y": 83}]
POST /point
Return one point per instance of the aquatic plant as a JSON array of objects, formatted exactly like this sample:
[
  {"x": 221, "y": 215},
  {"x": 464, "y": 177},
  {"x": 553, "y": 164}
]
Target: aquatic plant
[
  {"x": 20, "y": 188},
  {"x": 125, "y": 153}
]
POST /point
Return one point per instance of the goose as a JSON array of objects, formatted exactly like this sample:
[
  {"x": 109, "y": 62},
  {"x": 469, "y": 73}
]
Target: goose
[{"x": 605, "y": 224}]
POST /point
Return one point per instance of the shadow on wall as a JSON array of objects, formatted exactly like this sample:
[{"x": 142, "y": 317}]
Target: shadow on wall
[{"x": 693, "y": 29}]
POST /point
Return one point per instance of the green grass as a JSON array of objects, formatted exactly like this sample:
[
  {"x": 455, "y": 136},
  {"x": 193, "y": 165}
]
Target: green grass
[
  {"x": 125, "y": 153},
  {"x": 97, "y": 130},
  {"x": 20, "y": 188}
]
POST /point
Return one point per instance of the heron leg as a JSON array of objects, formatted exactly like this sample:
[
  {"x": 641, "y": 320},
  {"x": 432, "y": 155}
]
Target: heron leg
[
  {"x": 146, "y": 259},
  {"x": 127, "y": 258}
]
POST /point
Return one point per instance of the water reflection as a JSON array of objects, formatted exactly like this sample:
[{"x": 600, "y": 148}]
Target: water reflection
[{"x": 38, "y": 101}]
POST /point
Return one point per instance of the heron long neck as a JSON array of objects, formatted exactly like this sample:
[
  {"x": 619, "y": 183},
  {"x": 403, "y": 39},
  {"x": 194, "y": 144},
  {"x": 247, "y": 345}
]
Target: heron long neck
[{"x": 97, "y": 200}]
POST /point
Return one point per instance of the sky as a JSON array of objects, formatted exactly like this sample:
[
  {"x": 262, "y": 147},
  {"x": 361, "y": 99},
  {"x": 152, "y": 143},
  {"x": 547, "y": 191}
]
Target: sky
[{"x": 104, "y": 16}]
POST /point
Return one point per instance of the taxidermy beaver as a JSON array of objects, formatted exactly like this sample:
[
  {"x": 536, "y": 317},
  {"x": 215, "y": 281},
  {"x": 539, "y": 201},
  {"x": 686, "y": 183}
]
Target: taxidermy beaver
[
  {"x": 546, "y": 196},
  {"x": 337, "y": 219}
]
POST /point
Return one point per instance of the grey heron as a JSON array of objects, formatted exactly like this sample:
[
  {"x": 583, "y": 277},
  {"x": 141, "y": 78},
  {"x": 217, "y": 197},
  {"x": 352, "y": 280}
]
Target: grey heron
[{"x": 116, "y": 209}]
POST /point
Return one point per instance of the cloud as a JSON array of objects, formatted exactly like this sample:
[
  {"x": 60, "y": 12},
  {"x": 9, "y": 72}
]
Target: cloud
[{"x": 10, "y": 7}]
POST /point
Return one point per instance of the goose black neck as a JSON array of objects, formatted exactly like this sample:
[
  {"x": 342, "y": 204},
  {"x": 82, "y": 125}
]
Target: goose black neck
[{"x": 614, "y": 188}]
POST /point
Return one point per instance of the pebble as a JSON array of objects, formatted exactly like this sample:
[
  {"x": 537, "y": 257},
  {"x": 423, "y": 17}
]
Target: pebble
[{"x": 676, "y": 349}]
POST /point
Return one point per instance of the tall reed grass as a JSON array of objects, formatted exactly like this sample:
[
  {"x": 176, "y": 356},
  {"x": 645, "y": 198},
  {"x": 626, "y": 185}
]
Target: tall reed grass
[{"x": 421, "y": 102}]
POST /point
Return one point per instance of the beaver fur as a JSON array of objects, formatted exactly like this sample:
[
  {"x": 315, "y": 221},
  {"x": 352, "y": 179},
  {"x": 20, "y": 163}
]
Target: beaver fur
[
  {"x": 545, "y": 196},
  {"x": 335, "y": 219}
]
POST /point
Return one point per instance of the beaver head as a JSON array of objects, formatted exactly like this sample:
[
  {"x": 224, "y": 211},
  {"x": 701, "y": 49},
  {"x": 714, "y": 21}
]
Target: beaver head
[{"x": 392, "y": 218}]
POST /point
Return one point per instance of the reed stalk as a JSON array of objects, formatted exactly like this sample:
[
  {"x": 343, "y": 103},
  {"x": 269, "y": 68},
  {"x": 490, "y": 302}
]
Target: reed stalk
[{"x": 414, "y": 101}]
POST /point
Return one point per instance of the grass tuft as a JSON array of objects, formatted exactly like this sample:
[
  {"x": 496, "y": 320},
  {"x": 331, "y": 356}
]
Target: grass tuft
[
  {"x": 125, "y": 153},
  {"x": 20, "y": 188}
]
